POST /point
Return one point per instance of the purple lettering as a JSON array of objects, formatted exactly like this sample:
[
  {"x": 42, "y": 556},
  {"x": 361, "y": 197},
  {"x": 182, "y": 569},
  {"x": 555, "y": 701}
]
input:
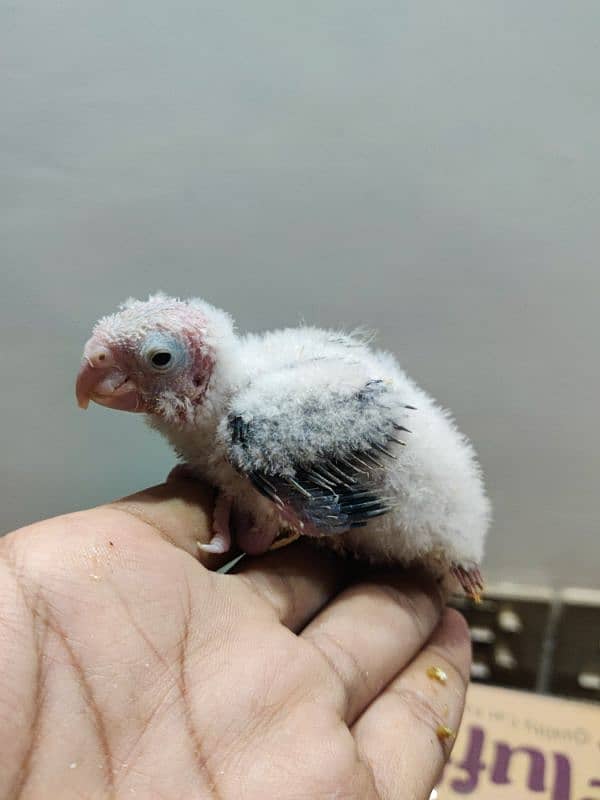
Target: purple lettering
[
  {"x": 562, "y": 781},
  {"x": 537, "y": 766},
  {"x": 472, "y": 763}
]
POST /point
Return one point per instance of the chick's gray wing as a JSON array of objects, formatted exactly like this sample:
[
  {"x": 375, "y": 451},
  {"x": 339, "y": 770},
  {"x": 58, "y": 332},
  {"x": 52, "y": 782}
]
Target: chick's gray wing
[{"x": 318, "y": 451}]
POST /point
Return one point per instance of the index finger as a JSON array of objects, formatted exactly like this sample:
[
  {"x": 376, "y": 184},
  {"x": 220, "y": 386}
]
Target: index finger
[{"x": 407, "y": 733}]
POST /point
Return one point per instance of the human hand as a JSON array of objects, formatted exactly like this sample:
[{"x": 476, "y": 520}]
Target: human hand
[{"x": 130, "y": 669}]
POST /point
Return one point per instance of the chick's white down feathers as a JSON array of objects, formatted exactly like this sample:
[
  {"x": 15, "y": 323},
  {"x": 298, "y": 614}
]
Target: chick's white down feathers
[{"x": 314, "y": 431}]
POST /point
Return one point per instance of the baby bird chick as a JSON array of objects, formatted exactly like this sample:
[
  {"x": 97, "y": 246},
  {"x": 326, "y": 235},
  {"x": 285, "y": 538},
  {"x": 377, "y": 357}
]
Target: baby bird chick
[{"x": 301, "y": 430}]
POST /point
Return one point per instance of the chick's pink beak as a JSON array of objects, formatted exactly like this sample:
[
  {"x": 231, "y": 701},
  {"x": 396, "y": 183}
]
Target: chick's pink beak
[{"x": 101, "y": 380}]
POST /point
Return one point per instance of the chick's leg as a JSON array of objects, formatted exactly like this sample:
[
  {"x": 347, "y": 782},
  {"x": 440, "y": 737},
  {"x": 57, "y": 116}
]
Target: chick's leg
[
  {"x": 221, "y": 533},
  {"x": 285, "y": 540},
  {"x": 182, "y": 471},
  {"x": 257, "y": 537}
]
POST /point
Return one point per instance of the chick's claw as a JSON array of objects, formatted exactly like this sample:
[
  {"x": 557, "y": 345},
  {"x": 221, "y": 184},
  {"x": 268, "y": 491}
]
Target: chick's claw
[
  {"x": 470, "y": 581},
  {"x": 218, "y": 544}
]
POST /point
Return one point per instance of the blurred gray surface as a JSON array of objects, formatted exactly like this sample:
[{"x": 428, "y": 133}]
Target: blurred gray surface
[{"x": 427, "y": 169}]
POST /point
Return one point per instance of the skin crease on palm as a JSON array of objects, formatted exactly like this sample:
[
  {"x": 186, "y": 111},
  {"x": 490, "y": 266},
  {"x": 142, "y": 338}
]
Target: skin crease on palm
[{"x": 129, "y": 668}]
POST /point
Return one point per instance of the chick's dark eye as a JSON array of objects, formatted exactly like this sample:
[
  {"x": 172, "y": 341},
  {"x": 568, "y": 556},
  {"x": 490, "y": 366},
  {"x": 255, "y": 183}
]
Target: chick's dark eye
[{"x": 161, "y": 359}]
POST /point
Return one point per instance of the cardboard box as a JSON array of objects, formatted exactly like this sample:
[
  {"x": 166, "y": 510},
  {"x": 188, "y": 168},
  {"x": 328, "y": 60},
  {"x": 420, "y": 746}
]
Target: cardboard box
[{"x": 518, "y": 746}]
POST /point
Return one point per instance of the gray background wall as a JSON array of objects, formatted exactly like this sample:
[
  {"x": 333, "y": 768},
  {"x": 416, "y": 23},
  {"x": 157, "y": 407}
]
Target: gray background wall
[{"x": 428, "y": 169}]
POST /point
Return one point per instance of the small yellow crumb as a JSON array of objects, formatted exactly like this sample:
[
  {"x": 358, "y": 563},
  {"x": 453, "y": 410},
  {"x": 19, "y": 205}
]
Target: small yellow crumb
[
  {"x": 95, "y": 577},
  {"x": 443, "y": 732},
  {"x": 437, "y": 674}
]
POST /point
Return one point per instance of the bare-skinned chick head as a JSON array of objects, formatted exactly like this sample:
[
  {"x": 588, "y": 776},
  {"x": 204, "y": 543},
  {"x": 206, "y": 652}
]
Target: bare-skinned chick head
[{"x": 153, "y": 356}]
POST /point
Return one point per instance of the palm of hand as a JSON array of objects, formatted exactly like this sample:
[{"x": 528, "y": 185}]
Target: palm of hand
[{"x": 129, "y": 669}]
